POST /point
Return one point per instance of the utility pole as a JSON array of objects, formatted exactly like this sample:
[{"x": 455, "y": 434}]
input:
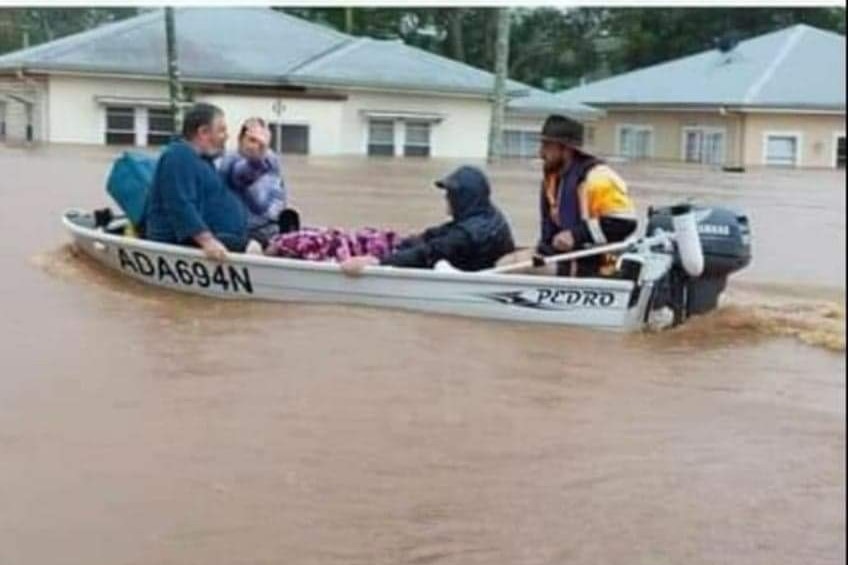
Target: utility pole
[
  {"x": 175, "y": 90},
  {"x": 499, "y": 102}
]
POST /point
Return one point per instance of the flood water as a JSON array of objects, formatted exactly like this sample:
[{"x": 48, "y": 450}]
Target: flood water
[{"x": 139, "y": 426}]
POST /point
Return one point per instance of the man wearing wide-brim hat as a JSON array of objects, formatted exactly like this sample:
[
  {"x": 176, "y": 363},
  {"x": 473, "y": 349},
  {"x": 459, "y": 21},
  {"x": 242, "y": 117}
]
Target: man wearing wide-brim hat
[{"x": 583, "y": 202}]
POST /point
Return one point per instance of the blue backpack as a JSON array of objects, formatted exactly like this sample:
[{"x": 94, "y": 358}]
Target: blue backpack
[{"x": 129, "y": 183}]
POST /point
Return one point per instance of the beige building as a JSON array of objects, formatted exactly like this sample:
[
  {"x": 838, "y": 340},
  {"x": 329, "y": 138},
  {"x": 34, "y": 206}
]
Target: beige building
[{"x": 775, "y": 100}]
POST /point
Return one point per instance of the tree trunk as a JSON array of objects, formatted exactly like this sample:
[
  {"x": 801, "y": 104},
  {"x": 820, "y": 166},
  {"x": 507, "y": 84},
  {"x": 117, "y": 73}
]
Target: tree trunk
[
  {"x": 47, "y": 28},
  {"x": 499, "y": 102},
  {"x": 432, "y": 42},
  {"x": 349, "y": 23},
  {"x": 457, "y": 42},
  {"x": 491, "y": 27},
  {"x": 174, "y": 86}
]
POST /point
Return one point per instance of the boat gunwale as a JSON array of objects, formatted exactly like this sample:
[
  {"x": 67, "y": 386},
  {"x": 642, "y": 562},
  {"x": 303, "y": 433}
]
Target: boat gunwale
[{"x": 284, "y": 263}]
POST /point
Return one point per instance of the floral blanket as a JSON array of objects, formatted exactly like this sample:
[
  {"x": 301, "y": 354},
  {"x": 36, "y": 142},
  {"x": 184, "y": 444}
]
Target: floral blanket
[{"x": 332, "y": 244}]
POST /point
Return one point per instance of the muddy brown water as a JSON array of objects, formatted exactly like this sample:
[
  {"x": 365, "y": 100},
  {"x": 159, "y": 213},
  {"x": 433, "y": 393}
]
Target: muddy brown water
[{"x": 139, "y": 426}]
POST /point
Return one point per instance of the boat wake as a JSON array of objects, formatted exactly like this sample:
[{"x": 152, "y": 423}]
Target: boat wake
[
  {"x": 816, "y": 321},
  {"x": 67, "y": 263}
]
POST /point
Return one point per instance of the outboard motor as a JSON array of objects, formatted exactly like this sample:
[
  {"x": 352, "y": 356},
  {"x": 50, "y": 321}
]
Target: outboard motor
[{"x": 725, "y": 238}]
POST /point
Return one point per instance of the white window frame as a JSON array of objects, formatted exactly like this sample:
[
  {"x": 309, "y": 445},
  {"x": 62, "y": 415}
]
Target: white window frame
[
  {"x": 279, "y": 123},
  {"x": 428, "y": 145},
  {"x": 836, "y": 136},
  {"x": 145, "y": 125},
  {"x": 524, "y": 133},
  {"x": 799, "y": 145},
  {"x": 643, "y": 127},
  {"x": 397, "y": 135},
  {"x": 136, "y": 129},
  {"x": 705, "y": 130}
]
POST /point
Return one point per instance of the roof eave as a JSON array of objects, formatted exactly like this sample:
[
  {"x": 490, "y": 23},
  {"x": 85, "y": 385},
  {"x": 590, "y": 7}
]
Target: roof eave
[
  {"x": 543, "y": 112},
  {"x": 312, "y": 81},
  {"x": 66, "y": 70},
  {"x": 734, "y": 106}
]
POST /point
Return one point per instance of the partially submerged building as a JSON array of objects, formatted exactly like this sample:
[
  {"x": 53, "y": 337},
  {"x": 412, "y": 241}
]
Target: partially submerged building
[
  {"x": 322, "y": 91},
  {"x": 777, "y": 99}
]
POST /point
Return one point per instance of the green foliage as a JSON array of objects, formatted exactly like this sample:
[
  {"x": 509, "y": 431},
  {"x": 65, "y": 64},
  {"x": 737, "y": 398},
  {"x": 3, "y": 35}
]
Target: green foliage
[
  {"x": 19, "y": 26},
  {"x": 653, "y": 35}
]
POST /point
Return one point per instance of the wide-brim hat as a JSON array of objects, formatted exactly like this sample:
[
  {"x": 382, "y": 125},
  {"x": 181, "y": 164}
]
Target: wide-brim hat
[{"x": 565, "y": 131}]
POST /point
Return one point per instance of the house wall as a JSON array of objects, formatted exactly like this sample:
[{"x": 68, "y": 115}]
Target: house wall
[
  {"x": 75, "y": 116},
  {"x": 523, "y": 122},
  {"x": 744, "y": 134},
  {"x": 817, "y": 136},
  {"x": 462, "y": 132},
  {"x": 322, "y": 116},
  {"x": 534, "y": 123},
  {"x": 335, "y": 126},
  {"x": 341, "y": 127},
  {"x": 668, "y": 131}
]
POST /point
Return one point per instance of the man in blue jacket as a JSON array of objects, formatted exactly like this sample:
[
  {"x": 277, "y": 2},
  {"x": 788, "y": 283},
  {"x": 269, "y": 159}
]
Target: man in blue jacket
[{"x": 188, "y": 203}]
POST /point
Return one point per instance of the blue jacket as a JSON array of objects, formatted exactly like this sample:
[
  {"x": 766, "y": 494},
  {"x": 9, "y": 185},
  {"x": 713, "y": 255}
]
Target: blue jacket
[{"x": 187, "y": 197}]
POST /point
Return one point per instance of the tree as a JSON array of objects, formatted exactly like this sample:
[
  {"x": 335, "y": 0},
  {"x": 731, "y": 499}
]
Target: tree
[
  {"x": 651, "y": 35},
  {"x": 22, "y": 26}
]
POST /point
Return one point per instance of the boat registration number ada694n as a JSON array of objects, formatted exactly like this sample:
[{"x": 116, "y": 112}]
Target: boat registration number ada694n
[{"x": 186, "y": 272}]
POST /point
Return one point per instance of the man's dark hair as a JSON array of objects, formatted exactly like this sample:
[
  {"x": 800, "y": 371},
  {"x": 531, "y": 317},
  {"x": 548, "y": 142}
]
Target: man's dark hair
[{"x": 199, "y": 115}]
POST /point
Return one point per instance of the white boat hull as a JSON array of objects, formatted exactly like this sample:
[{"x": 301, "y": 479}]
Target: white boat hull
[{"x": 598, "y": 303}]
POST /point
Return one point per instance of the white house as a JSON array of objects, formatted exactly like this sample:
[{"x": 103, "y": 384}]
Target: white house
[{"x": 324, "y": 92}]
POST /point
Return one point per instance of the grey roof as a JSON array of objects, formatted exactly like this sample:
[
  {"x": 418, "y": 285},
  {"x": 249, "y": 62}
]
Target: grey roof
[
  {"x": 239, "y": 44},
  {"x": 539, "y": 103},
  {"x": 796, "y": 67},
  {"x": 253, "y": 45}
]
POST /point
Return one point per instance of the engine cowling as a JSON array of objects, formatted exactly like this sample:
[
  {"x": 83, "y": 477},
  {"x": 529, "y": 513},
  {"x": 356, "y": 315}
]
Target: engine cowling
[{"x": 725, "y": 237}]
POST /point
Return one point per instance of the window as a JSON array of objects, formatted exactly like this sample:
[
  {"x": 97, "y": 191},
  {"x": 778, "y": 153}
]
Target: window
[
  {"x": 703, "y": 145},
  {"x": 839, "y": 148},
  {"x": 417, "y": 142},
  {"x": 381, "y": 137},
  {"x": 635, "y": 142},
  {"x": 120, "y": 125},
  {"x": 160, "y": 126},
  {"x": 290, "y": 138},
  {"x": 520, "y": 143},
  {"x": 781, "y": 150}
]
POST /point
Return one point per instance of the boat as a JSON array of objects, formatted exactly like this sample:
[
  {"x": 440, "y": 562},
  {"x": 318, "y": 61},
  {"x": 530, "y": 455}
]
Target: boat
[{"x": 652, "y": 288}]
